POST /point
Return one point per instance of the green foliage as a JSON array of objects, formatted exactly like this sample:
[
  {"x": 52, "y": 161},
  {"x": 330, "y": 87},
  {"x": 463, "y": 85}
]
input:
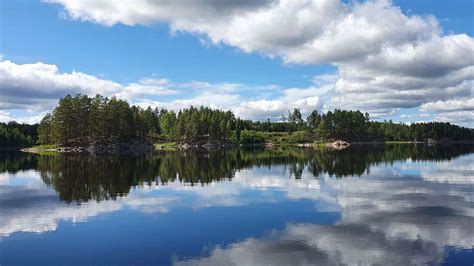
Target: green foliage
[
  {"x": 342, "y": 124},
  {"x": 13, "y": 134},
  {"x": 45, "y": 130},
  {"x": 46, "y": 146},
  {"x": 170, "y": 146},
  {"x": 313, "y": 120},
  {"x": 355, "y": 126},
  {"x": 194, "y": 125},
  {"x": 300, "y": 137},
  {"x": 82, "y": 119},
  {"x": 251, "y": 137},
  {"x": 422, "y": 131},
  {"x": 167, "y": 122}
]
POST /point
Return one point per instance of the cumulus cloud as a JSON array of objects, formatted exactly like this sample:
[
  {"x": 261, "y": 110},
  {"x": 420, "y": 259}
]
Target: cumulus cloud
[
  {"x": 464, "y": 118},
  {"x": 7, "y": 117},
  {"x": 244, "y": 108},
  {"x": 298, "y": 31},
  {"x": 265, "y": 102},
  {"x": 386, "y": 59},
  {"x": 146, "y": 12},
  {"x": 466, "y": 104},
  {"x": 459, "y": 110},
  {"x": 38, "y": 86},
  {"x": 411, "y": 116},
  {"x": 261, "y": 109}
]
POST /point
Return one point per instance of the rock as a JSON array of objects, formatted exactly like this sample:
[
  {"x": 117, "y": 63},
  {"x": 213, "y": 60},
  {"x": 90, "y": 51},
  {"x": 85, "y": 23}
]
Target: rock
[
  {"x": 339, "y": 145},
  {"x": 205, "y": 145},
  {"x": 211, "y": 145},
  {"x": 184, "y": 146}
]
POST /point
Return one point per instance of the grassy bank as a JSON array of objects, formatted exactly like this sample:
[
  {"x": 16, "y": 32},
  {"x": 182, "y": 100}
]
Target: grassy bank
[
  {"x": 45, "y": 147},
  {"x": 171, "y": 145},
  {"x": 401, "y": 142}
]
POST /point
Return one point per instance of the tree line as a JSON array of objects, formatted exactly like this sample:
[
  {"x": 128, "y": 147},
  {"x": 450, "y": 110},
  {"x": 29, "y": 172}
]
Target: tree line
[
  {"x": 83, "y": 119},
  {"x": 13, "y": 134},
  {"x": 357, "y": 126}
]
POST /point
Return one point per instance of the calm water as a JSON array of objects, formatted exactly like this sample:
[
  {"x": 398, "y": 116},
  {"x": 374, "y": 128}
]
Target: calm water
[{"x": 397, "y": 205}]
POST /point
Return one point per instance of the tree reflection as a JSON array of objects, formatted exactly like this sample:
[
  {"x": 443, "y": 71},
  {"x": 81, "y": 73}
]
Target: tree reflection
[
  {"x": 12, "y": 161},
  {"x": 80, "y": 177}
]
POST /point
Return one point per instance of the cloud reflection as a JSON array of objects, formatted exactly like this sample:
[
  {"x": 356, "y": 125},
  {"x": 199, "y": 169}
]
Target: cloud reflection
[
  {"x": 388, "y": 218},
  {"x": 401, "y": 213},
  {"x": 309, "y": 244}
]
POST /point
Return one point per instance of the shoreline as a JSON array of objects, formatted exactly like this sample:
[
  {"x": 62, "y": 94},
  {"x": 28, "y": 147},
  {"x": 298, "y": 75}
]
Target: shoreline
[
  {"x": 96, "y": 148},
  {"x": 143, "y": 148}
]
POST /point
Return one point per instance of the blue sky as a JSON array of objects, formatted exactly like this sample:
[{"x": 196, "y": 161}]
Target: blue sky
[{"x": 336, "y": 55}]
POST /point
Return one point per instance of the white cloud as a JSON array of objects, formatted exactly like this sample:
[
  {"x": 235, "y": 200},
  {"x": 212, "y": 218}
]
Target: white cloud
[
  {"x": 266, "y": 101},
  {"x": 464, "y": 118},
  {"x": 261, "y": 109},
  {"x": 7, "y": 117},
  {"x": 413, "y": 116},
  {"x": 386, "y": 59},
  {"x": 459, "y": 110},
  {"x": 299, "y": 31},
  {"x": 38, "y": 86},
  {"x": 466, "y": 104},
  {"x": 145, "y": 87},
  {"x": 145, "y": 12},
  {"x": 242, "y": 107}
]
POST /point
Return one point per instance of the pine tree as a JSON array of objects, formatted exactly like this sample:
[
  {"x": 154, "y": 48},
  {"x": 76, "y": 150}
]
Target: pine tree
[{"x": 45, "y": 130}]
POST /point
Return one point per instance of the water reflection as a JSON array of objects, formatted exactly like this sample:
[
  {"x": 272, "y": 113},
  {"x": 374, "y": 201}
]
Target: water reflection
[
  {"x": 310, "y": 244},
  {"x": 79, "y": 178},
  {"x": 398, "y": 204}
]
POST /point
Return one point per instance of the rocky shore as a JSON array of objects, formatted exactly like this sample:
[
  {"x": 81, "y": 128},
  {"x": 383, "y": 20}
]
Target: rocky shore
[
  {"x": 338, "y": 145},
  {"x": 335, "y": 145},
  {"x": 99, "y": 148},
  {"x": 205, "y": 145}
]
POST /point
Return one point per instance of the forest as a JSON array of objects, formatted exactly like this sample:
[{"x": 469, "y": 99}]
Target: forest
[
  {"x": 13, "y": 134},
  {"x": 82, "y": 119}
]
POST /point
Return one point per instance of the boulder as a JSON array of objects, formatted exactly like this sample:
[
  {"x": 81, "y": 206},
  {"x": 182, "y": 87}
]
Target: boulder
[{"x": 339, "y": 145}]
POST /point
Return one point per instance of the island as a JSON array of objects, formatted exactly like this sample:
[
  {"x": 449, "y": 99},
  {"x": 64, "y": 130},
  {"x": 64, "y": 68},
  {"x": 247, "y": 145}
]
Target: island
[{"x": 110, "y": 125}]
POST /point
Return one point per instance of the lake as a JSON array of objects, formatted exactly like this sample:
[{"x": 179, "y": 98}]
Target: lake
[{"x": 387, "y": 205}]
